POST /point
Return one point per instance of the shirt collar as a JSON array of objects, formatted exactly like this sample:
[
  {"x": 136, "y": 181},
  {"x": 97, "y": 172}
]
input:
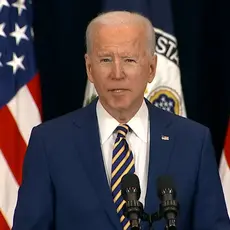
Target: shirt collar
[
  {"x": 107, "y": 124},
  {"x": 139, "y": 123}
]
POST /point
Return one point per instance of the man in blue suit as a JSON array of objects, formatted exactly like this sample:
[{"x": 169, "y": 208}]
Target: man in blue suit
[{"x": 72, "y": 172}]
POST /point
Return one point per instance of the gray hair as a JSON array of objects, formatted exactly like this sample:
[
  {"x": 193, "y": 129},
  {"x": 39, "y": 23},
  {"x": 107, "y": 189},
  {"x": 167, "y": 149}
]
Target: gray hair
[{"x": 122, "y": 17}]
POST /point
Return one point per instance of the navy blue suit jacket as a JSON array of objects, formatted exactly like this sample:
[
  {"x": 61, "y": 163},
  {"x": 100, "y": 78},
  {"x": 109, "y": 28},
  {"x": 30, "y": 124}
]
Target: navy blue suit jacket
[{"x": 65, "y": 186}]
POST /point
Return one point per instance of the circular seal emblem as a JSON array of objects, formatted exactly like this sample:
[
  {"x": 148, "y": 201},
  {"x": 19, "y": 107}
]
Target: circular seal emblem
[{"x": 167, "y": 99}]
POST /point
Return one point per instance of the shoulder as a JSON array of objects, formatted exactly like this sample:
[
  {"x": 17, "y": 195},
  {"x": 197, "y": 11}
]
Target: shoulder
[
  {"x": 191, "y": 139},
  {"x": 183, "y": 127},
  {"x": 62, "y": 124}
]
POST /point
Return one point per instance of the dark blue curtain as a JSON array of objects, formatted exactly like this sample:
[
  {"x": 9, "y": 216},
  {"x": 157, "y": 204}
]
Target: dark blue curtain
[{"x": 201, "y": 30}]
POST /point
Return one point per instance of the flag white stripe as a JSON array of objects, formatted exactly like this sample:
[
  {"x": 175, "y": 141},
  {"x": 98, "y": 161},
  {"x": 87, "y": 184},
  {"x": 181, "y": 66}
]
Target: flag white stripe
[
  {"x": 8, "y": 191},
  {"x": 25, "y": 112},
  {"x": 225, "y": 179}
]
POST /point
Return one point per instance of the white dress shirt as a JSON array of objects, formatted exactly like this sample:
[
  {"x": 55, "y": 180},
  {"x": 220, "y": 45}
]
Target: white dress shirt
[{"x": 138, "y": 141}]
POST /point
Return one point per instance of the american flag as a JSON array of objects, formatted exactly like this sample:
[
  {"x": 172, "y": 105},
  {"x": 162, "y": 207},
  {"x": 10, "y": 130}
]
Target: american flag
[
  {"x": 225, "y": 168},
  {"x": 20, "y": 101}
]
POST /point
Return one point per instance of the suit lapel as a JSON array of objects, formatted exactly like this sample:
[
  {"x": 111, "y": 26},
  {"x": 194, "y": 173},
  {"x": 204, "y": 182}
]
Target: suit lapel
[
  {"x": 91, "y": 156},
  {"x": 161, "y": 145},
  {"x": 87, "y": 134}
]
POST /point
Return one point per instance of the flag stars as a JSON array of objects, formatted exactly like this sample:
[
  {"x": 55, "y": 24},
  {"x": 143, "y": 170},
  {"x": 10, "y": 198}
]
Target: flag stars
[
  {"x": 20, "y": 5},
  {"x": 16, "y": 63},
  {"x": 19, "y": 33},
  {"x": 3, "y": 3},
  {"x": 2, "y": 27}
]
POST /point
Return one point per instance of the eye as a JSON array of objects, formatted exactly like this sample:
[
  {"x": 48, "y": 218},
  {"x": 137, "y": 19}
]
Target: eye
[
  {"x": 130, "y": 60},
  {"x": 105, "y": 60}
]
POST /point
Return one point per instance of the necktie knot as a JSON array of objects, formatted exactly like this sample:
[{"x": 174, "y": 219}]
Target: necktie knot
[{"x": 122, "y": 130}]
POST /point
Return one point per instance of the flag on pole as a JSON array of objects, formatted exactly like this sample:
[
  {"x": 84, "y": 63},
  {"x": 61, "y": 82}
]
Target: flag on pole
[
  {"x": 165, "y": 91},
  {"x": 20, "y": 99},
  {"x": 225, "y": 168}
]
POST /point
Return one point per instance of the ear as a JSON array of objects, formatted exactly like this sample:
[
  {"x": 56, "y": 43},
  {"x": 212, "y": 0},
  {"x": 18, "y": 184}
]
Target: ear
[
  {"x": 88, "y": 65},
  {"x": 152, "y": 68}
]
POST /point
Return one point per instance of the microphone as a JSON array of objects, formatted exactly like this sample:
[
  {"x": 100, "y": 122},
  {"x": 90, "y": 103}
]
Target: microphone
[
  {"x": 169, "y": 206},
  {"x": 131, "y": 191}
]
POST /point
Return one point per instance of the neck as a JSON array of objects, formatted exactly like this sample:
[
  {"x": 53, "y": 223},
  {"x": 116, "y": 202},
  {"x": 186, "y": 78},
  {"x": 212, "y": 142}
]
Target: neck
[{"x": 123, "y": 115}]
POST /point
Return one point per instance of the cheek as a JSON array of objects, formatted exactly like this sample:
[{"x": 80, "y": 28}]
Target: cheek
[
  {"x": 140, "y": 82},
  {"x": 100, "y": 79},
  {"x": 137, "y": 75},
  {"x": 100, "y": 72},
  {"x": 137, "y": 69}
]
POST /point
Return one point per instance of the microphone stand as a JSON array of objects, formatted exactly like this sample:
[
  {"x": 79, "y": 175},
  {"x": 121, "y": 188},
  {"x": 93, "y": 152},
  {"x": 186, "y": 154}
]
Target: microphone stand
[
  {"x": 151, "y": 218},
  {"x": 135, "y": 209}
]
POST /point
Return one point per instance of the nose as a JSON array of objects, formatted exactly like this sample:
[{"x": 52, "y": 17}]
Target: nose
[{"x": 118, "y": 72}]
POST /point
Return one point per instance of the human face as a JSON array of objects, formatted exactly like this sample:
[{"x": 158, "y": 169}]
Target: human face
[{"x": 120, "y": 67}]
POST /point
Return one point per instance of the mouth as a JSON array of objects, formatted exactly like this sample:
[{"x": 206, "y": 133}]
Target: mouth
[{"x": 117, "y": 90}]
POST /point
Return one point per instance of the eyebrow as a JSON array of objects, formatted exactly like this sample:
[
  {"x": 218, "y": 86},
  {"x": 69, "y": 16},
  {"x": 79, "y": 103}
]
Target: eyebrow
[
  {"x": 126, "y": 55},
  {"x": 104, "y": 53},
  {"x": 123, "y": 54}
]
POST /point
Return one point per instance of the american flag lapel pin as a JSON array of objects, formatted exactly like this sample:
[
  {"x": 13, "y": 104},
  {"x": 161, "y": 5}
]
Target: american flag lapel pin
[{"x": 165, "y": 138}]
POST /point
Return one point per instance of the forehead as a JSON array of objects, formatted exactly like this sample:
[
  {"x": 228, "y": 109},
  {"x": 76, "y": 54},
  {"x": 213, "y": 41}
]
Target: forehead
[{"x": 123, "y": 38}]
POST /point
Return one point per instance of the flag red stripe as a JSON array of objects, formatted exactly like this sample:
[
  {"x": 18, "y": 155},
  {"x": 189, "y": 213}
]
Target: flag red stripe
[
  {"x": 227, "y": 146},
  {"x": 11, "y": 143},
  {"x": 34, "y": 88},
  {"x": 3, "y": 224}
]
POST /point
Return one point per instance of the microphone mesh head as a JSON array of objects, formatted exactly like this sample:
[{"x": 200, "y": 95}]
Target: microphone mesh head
[
  {"x": 164, "y": 182},
  {"x": 130, "y": 181}
]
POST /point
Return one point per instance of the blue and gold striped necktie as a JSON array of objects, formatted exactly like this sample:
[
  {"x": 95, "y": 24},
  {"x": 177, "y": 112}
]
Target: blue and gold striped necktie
[{"x": 122, "y": 163}]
